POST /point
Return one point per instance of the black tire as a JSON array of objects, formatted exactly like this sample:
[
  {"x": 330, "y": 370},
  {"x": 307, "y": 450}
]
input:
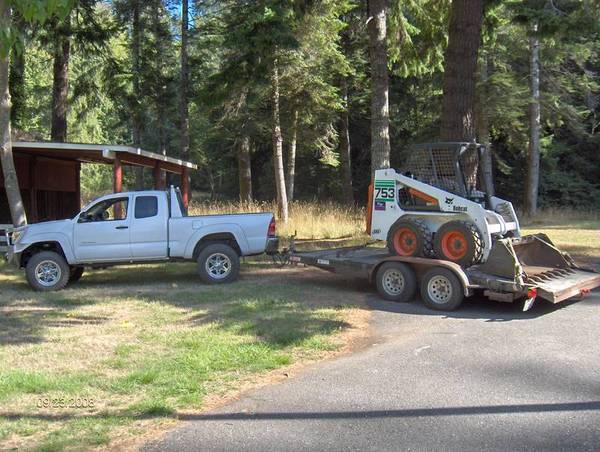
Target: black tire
[
  {"x": 441, "y": 289},
  {"x": 55, "y": 276},
  {"x": 420, "y": 234},
  {"x": 465, "y": 249},
  {"x": 396, "y": 281},
  {"x": 75, "y": 274},
  {"x": 218, "y": 253}
]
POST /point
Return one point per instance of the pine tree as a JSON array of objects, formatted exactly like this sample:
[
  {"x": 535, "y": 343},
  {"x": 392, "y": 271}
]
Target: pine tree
[{"x": 464, "y": 35}]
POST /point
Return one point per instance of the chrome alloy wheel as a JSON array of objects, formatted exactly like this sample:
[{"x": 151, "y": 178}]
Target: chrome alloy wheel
[
  {"x": 393, "y": 281},
  {"x": 218, "y": 265},
  {"x": 439, "y": 289},
  {"x": 48, "y": 273}
]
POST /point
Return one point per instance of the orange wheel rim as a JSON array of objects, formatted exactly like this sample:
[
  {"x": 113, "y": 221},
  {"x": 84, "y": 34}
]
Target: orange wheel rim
[
  {"x": 454, "y": 245},
  {"x": 405, "y": 242}
]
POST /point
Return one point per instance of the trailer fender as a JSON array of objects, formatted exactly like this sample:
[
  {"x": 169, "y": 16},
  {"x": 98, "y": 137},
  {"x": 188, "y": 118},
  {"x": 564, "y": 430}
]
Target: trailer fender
[{"x": 421, "y": 264}]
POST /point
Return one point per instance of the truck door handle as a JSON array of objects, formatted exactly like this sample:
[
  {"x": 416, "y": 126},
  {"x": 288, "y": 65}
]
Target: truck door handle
[{"x": 122, "y": 227}]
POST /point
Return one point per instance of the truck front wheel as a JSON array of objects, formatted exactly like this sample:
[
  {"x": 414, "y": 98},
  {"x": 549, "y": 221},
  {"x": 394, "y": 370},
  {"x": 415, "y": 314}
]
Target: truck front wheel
[
  {"x": 47, "y": 271},
  {"x": 218, "y": 263}
]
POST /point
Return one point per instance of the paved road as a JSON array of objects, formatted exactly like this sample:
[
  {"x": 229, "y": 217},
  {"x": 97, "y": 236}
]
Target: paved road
[{"x": 485, "y": 377}]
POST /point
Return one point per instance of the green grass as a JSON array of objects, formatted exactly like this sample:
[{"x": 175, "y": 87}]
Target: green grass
[{"x": 146, "y": 343}]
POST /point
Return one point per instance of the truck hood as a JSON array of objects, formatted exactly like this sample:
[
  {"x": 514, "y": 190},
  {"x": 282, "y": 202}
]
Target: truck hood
[{"x": 45, "y": 228}]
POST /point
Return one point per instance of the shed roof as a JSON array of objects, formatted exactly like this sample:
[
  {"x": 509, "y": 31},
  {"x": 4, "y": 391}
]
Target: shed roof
[{"x": 101, "y": 153}]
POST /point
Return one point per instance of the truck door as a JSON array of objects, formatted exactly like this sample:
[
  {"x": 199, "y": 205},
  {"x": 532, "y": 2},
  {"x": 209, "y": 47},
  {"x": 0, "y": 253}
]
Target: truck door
[
  {"x": 149, "y": 237},
  {"x": 101, "y": 233}
]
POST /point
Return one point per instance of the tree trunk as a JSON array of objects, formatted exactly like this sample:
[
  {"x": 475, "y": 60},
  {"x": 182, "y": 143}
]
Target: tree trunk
[
  {"x": 244, "y": 169},
  {"x": 282, "y": 203},
  {"x": 17, "y": 83},
  {"x": 345, "y": 154},
  {"x": 291, "y": 161},
  {"x": 136, "y": 117},
  {"x": 60, "y": 84},
  {"x": 380, "y": 115},
  {"x": 483, "y": 126},
  {"x": 533, "y": 162},
  {"x": 460, "y": 64},
  {"x": 184, "y": 88},
  {"x": 11, "y": 183}
]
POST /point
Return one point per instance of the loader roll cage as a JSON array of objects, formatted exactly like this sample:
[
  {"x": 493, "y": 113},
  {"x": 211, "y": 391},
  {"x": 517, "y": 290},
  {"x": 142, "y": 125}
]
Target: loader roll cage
[{"x": 450, "y": 166}]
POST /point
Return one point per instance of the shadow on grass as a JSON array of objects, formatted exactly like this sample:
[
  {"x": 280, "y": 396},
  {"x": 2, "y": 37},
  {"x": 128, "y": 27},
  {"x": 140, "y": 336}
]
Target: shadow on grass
[
  {"x": 276, "y": 311},
  {"x": 321, "y": 415}
]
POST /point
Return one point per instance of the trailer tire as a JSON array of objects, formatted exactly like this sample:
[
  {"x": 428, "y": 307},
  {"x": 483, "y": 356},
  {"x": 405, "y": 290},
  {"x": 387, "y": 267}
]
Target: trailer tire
[
  {"x": 218, "y": 264},
  {"x": 459, "y": 242},
  {"x": 396, "y": 281},
  {"x": 47, "y": 271},
  {"x": 409, "y": 238},
  {"x": 441, "y": 289}
]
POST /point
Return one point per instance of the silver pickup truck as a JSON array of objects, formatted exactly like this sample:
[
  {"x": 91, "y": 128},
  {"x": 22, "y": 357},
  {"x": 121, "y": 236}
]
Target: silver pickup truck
[{"x": 138, "y": 227}]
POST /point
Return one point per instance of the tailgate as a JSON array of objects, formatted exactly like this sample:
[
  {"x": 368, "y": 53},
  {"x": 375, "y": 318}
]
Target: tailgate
[{"x": 561, "y": 286}]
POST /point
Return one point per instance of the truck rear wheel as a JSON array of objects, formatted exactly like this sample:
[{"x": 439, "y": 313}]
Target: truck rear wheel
[
  {"x": 47, "y": 271},
  {"x": 218, "y": 263},
  {"x": 441, "y": 289},
  {"x": 396, "y": 282}
]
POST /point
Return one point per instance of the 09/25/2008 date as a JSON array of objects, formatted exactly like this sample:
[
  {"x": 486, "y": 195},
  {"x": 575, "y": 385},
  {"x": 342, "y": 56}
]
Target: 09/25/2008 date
[{"x": 65, "y": 402}]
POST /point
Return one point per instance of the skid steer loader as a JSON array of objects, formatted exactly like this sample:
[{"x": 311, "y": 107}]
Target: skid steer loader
[{"x": 439, "y": 207}]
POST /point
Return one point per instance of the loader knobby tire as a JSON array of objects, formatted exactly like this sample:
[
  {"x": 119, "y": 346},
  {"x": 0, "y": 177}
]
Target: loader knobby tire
[
  {"x": 409, "y": 238},
  {"x": 459, "y": 242}
]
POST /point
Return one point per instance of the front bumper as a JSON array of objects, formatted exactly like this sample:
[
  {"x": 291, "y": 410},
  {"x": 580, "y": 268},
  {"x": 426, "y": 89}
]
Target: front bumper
[{"x": 272, "y": 245}]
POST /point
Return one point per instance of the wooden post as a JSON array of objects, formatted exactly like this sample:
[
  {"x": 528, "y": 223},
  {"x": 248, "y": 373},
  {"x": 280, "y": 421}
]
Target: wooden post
[
  {"x": 117, "y": 183},
  {"x": 117, "y": 175},
  {"x": 158, "y": 177},
  {"x": 185, "y": 186},
  {"x": 78, "y": 186},
  {"x": 33, "y": 213}
]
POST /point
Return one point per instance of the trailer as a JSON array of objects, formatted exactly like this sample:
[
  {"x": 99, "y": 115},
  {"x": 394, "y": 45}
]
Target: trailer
[{"x": 443, "y": 285}]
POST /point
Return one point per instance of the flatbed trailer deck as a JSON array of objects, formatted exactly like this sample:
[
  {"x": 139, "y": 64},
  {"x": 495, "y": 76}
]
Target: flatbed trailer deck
[{"x": 443, "y": 284}]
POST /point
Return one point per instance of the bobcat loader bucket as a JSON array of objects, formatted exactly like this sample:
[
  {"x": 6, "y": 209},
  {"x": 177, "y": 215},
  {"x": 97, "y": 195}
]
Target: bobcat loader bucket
[{"x": 534, "y": 262}]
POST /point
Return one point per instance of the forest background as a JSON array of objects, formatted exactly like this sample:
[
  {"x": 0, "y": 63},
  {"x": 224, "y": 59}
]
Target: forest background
[{"x": 280, "y": 99}]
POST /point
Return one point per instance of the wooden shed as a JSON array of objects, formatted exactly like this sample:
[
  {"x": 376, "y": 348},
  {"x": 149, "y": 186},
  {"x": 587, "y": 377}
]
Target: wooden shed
[{"x": 48, "y": 175}]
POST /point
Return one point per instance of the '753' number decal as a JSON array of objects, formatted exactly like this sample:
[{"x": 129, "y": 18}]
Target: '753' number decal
[{"x": 385, "y": 193}]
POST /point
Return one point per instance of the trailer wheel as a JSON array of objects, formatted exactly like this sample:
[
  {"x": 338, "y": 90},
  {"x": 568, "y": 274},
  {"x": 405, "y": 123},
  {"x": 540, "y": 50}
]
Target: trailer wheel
[
  {"x": 47, "y": 271},
  {"x": 441, "y": 289},
  {"x": 396, "y": 282},
  {"x": 218, "y": 264},
  {"x": 460, "y": 242},
  {"x": 409, "y": 238}
]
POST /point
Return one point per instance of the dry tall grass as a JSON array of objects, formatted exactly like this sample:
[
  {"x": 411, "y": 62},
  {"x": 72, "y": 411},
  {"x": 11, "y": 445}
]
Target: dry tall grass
[{"x": 310, "y": 220}]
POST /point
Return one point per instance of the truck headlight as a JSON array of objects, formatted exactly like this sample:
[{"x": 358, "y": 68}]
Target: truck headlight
[{"x": 16, "y": 234}]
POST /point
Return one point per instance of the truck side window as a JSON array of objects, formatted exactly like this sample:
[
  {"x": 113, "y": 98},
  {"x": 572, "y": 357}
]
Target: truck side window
[
  {"x": 146, "y": 206},
  {"x": 107, "y": 210}
]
